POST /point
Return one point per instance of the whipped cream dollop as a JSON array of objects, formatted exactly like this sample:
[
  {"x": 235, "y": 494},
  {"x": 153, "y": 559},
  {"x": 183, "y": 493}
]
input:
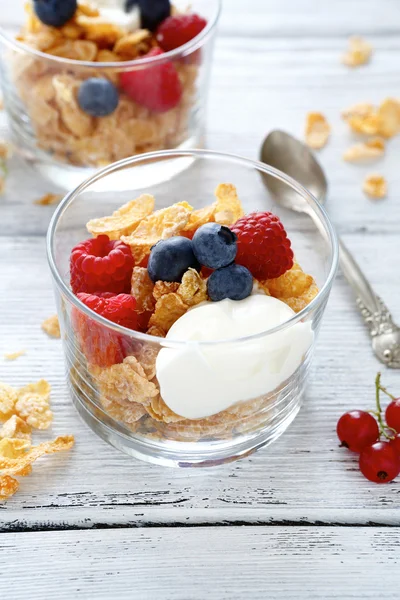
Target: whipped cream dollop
[
  {"x": 113, "y": 11},
  {"x": 200, "y": 380}
]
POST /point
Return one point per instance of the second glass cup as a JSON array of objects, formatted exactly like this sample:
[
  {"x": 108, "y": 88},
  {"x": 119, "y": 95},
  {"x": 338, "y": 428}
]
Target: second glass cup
[{"x": 42, "y": 71}]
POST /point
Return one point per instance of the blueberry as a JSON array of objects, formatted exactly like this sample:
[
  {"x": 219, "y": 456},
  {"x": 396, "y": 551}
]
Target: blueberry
[
  {"x": 214, "y": 245},
  {"x": 234, "y": 282},
  {"x": 152, "y": 12},
  {"x": 98, "y": 97},
  {"x": 55, "y": 12},
  {"x": 171, "y": 258}
]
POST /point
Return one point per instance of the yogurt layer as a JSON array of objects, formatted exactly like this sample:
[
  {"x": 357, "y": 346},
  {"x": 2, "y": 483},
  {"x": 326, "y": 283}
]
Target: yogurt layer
[
  {"x": 197, "y": 381},
  {"x": 113, "y": 11}
]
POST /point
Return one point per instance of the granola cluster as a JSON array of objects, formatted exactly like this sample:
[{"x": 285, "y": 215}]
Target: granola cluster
[
  {"x": 49, "y": 90},
  {"x": 128, "y": 390}
]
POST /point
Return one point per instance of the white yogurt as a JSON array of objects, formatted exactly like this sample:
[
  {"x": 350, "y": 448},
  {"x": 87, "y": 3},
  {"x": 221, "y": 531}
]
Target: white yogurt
[
  {"x": 198, "y": 381},
  {"x": 113, "y": 11}
]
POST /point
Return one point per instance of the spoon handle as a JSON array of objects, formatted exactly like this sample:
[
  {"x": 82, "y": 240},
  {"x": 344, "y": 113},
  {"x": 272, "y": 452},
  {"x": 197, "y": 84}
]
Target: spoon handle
[{"x": 366, "y": 297}]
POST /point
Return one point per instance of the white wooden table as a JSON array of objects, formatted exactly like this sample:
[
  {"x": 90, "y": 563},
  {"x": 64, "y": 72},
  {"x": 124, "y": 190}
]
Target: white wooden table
[{"x": 296, "y": 520}]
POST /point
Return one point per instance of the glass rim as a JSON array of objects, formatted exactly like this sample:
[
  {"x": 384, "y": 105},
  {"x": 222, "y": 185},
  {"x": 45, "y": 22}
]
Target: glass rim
[
  {"x": 197, "y": 153},
  {"x": 184, "y": 50}
]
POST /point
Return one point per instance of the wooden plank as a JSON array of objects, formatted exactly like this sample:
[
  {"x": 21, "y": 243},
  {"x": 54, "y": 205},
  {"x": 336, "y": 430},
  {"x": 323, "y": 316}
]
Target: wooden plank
[
  {"x": 294, "y": 563},
  {"x": 302, "y": 477}
]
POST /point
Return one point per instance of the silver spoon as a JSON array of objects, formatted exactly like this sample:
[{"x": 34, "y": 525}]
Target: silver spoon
[{"x": 286, "y": 153}]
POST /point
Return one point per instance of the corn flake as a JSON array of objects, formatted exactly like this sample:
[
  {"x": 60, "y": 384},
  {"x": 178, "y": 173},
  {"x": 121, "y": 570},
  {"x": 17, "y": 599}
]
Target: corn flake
[
  {"x": 363, "y": 118},
  {"x": 51, "y": 326},
  {"x": 77, "y": 122},
  {"x": 49, "y": 199},
  {"x": 13, "y": 466},
  {"x": 13, "y": 448},
  {"x": 124, "y": 383},
  {"x": 162, "y": 224},
  {"x": 124, "y": 220},
  {"x": 375, "y": 186},
  {"x": 201, "y": 217},
  {"x": 317, "y": 130},
  {"x": 142, "y": 290},
  {"x": 228, "y": 208},
  {"x": 389, "y": 114},
  {"x": 14, "y": 355},
  {"x": 33, "y": 404},
  {"x": 358, "y": 53},
  {"x": 193, "y": 288},
  {"x": 8, "y": 398},
  {"x": 298, "y": 303},
  {"x": 8, "y": 487},
  {"x": 162, "y": 288},
  {"x": 134, "y": 44},
  {"x": 75, "y": 50},
  {"x": 159, "y": 411},
  {"x": 369, "y": 150},
  {"x": 169, "y": 308},
  {"x": 291, "y": 284},
  {"x": 16, "y": 428},
  {"x": 98, "y": 30}
]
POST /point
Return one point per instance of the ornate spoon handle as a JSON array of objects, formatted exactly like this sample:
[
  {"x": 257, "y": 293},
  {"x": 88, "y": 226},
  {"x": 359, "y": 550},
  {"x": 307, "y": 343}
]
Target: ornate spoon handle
[{"x": 373, "y": 310}]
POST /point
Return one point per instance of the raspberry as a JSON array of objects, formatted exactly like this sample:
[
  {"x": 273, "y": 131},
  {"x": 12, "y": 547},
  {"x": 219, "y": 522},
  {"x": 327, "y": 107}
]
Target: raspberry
[
  {"x": 101, "y": 265},
  {"x": 263, "y": 245},
  {"x": 156, "y": 87},
  {"x": 177, "y": 30},
  {"x": 100, "y": 345}
]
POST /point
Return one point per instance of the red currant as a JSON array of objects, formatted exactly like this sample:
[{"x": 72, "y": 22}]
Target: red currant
[
  {"x": 392, "y": 415},
  {"x": 395, "y": 443},
  {"x": 357, "y": 429},
  {"x": 380, "y": 462}
]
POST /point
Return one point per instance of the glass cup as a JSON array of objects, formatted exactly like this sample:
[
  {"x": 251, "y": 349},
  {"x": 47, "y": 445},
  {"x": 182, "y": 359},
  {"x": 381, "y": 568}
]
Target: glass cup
[
  {"x": 122, "y": 402},
  {"x": 66, "y": 144}
]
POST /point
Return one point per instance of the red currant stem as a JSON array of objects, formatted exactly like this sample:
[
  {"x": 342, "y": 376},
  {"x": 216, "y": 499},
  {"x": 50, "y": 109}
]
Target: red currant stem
[
  {"x": 378, "y": 412},
  {"x": 384, "y": 390}
]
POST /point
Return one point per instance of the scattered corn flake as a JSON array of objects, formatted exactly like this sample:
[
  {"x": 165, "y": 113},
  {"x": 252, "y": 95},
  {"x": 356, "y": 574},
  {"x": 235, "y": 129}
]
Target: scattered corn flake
[
  {"x": 228, "y": 208},
  {"x": 5, "y": 150},
  {"x": 169, "y": 308},
  {"x": 375, "y": 186},
  {"x": 361, "y": 109},
  {"x": 368, "y": 150},
  {"x": 2, "y": 184},
  {"x": 201, "y": 217},
  {"x": 291, "y": 284},
  {"x": 124, "y": 220},
  {"x": 13, "y": 447},
  {"x": 33, "y": 404},
  {"x": 11, "y": 466},
  {"x": 14, "y": 355},
  {"x": 389, "y": 114},
  {"x": 49, "y": 199},
  {"x": 15, "y": 427},
  {"x": 51, "y": 326},
  {"x": 8, "y": 398},
  {"x": 358, "y": 53},
  {"x": 193, "y": 288},
  {"x": 162, "y": 224},
  {"x": 8, "y": 487},
  {"x": 317, "y": 130},
  {"x": 297, "y": 304},
  {"x": 161, "y": 288},
  {"x": 142, "y": 290}
]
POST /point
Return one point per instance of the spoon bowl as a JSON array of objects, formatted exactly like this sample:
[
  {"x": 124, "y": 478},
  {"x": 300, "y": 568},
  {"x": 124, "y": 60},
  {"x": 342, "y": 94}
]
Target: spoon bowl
[{"x": 289, "y": 155}]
